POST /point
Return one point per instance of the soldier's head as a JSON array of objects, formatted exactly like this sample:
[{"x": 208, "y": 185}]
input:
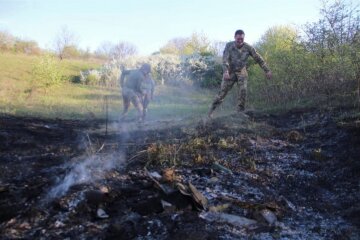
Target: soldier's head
[
  {"x": 239, "y": 37},
  {"x": 145, "y": 68}
]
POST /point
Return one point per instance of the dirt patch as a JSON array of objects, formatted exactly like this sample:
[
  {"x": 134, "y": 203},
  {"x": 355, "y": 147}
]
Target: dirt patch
[{"x": 294, "y": 176}]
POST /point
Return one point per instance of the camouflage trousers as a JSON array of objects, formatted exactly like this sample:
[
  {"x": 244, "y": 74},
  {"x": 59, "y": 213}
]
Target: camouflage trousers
[
  {"x": 146, "y": 98},
  {"x": 241, "y": 79},
  {"x": 129, "y": 95}
]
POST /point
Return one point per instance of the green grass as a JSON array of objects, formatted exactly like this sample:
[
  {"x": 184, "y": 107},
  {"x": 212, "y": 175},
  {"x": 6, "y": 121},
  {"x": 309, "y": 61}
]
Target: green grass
[
  {"x": 78, "y": 101},
  {"x": 65, "y": 101},
  {"x": 72, "y": 100}
]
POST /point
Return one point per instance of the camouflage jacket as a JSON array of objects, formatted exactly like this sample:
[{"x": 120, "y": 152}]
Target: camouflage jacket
[
  {"x": 235, "y": 59},
  {"x": 148, "y": 85},
  {"x": 132, "y": 79}
]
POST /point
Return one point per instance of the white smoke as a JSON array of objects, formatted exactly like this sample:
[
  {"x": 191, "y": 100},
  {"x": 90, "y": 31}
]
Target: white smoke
[{"x": 89, "y": 170}]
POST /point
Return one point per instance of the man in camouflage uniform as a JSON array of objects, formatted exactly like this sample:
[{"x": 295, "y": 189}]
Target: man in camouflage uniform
[
  {"x": 235, "y": 58},
  {"x": 131, "y": 88}
]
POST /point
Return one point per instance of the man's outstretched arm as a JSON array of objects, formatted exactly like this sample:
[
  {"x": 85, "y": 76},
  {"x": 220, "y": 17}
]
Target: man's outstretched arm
[{"x": 259, "y": 60}]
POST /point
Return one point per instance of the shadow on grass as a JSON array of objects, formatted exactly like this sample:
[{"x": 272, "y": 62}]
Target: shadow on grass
[{"x": 94, "y": 96}]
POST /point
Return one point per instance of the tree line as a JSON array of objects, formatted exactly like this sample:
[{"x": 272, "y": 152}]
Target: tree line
[
  {"x": 320, "y": 60},
  {"x": 66, "y": 46}
]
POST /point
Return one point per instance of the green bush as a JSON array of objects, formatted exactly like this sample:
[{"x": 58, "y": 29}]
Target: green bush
[
  {"x": 46, "y": 74},
  {"x": 204, "y": 71},
  {"x": 92, "y": 79},
  {"x": 321, "y": 67}
]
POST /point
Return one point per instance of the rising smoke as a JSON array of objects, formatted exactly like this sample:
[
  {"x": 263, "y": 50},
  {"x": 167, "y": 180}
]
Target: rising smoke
[{"x": 87, "y": 170}]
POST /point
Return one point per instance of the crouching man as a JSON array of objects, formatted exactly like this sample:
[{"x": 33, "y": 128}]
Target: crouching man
[{"x": 130, "y": 82}]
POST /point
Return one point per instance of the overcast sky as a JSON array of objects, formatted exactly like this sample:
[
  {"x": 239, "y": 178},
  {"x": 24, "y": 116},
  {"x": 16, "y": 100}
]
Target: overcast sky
[{"x": 149, "y": 24}]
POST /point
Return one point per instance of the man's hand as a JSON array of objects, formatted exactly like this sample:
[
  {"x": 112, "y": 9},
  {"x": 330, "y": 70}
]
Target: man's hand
[
  {"x": 269, "y": 75},
  {"x": 226, "y": 75}
]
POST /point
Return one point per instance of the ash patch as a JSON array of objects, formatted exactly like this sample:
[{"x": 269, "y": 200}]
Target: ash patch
[{"x": 294, "y": 175}]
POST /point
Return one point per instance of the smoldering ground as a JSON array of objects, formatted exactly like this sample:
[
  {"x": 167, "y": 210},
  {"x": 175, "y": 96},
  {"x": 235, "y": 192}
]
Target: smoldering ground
[
  {"x": 92, "y": 166},
  {"x": 292, "y": 176}
]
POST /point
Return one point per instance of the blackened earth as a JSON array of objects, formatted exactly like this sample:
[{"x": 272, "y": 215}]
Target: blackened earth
[{"x": 302, "y": 167}]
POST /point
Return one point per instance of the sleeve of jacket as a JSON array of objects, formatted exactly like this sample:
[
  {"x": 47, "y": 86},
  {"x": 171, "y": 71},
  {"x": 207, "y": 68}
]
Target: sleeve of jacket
[
  {"x": 226, "y": 58},
  {"x": 122, "y": 77},
  {"x": 257, "y": 57}
]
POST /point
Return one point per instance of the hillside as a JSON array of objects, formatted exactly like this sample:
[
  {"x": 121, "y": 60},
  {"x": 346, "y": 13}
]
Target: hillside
[
  {"x": 15, "y": 78},
  {"x": 74, "y": 100}
]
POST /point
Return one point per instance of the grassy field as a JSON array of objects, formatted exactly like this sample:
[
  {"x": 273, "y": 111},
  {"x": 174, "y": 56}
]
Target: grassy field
[
  {"x": 78, "y": 101},
  {"x": 67, "y": 100}
]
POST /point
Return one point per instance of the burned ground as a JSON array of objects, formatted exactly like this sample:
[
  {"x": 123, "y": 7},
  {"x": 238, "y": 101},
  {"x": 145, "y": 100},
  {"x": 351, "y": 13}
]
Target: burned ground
[{"x": 293, "y": 175}]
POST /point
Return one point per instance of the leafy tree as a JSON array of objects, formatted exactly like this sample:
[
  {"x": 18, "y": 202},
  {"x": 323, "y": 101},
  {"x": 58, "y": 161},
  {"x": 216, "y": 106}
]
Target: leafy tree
[
  {"x": 46, "y": 74},
  {"x": 278, "y": 38},
  {"x": 333, "y": 43},
  {"x": 197, "y": 43},
  {"x": 323, "y": 64},
  {"x": 175, "y": 46},
  {"x": 71, "y": 51}
]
